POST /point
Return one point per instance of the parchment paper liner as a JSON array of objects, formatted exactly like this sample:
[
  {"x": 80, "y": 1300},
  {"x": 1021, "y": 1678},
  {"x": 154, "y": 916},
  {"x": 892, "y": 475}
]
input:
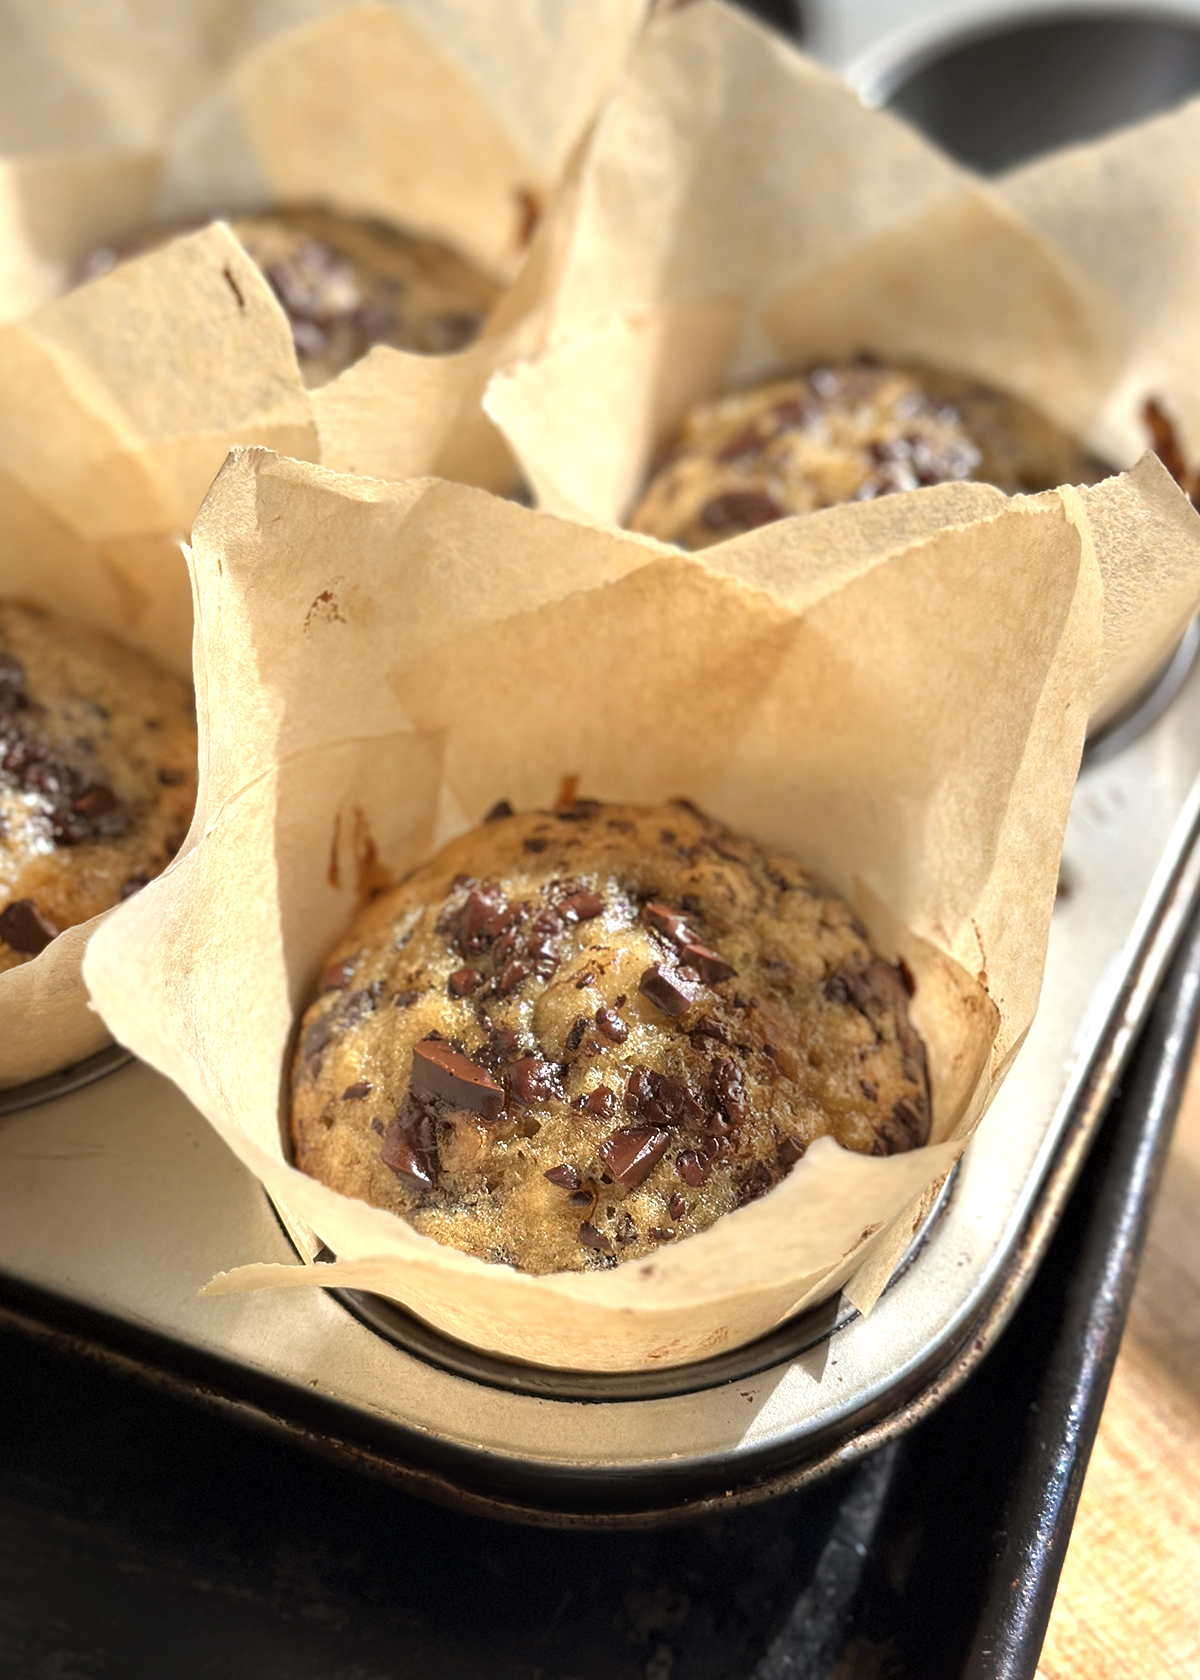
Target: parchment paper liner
[
  {"x": 902, "y": 706},
  {"x": 739, "y": 213},
  {"x": 144, "y": 379}
]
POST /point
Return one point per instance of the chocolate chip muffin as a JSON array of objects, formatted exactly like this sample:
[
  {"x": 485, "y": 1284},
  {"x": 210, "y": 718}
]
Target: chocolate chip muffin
[
  {"x": 97, "y": 774},
  {"x": 576, "y": 1035},
  {"x": 347, "y": 283},
  {"x": 845, "y": 434}
]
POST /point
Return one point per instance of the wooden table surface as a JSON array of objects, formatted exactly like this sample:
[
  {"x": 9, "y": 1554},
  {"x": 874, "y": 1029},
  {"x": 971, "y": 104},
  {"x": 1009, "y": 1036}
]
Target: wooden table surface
[{"x": 1128, "y": 1605}]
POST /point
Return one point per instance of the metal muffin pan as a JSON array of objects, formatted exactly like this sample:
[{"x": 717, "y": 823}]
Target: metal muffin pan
[{"x": 118, "y": 1202}]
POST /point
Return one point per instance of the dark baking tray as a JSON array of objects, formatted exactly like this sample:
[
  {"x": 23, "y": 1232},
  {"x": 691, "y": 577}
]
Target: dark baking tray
[{"x": 145, "y": 1528}]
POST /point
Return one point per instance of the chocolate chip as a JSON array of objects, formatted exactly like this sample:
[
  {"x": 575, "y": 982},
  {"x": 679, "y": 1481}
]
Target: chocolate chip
[
  {"x": 24, "y": 928},
  {"x": 585, "y": 979},
  {"x": 632, "y": 1153},
  {"x": 509, "y": 978},
  {"x": 532, "y": 1081},
  {"x": 355, "y": 1093},
  {"x": 94, "y": 800},
  {"x": 316, "y": 1036},
  {"x": 575, "y": 1036},
  {"x": 671, "y": 924},
  {"x": 709, "y": 964},
  {"x": 709, "y": 1027},
  {"x": 789, "y": 1152},
  {"x": 535, "y": 843},
  {"x": 484, "y": 916},
  {"x": 133, "y": 885},
  {"x": 565, "y": 1177},
  {"x": 590, "y": 1237},
  {"x": 677, "y": 1206},
  {"x": 665, "y": 990},
  {"x": 730, "y": 1088},
  {"x": 659, "y": 1235},
  {"x": 463, "y": 982},
  {"x": 406, "y": 998},
  {"x": 500, "y": 809},
  {"x": 602, "y": 1103},
  {"x": 620, "y": 1001},
  {"x": 581, "y": 906},
  {"x": 740, "y": 510},
  {"x": 409, "y": 1148},
  {"x": 611, "y": 1025},
  {"x": 439, "y": 1071},
  {"x": 172, "y": 778},
  {"x": 693, "y": 1169}
]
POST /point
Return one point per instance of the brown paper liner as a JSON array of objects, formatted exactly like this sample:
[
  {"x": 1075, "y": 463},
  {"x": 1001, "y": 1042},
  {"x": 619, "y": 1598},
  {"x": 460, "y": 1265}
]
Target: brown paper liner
[
  {"x": 123, "y": 398},
  {"x": 739, "y": 214},
  {"x": 902, "y": 706}
]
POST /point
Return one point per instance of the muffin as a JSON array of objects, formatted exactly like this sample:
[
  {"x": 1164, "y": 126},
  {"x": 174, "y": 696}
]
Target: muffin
[
  {"x": 844, "y": 434},
  {"x": 347, "y": 283},
  {"x": 97, "y": 774},
  {"x": 574, "y": 1036}
]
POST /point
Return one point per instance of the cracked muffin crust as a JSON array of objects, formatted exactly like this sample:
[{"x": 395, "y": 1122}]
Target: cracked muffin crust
[
  {"x": 97, "y": 774},
  {"x": 576, "y": 1035},
  {"x": 843, "y": 434},
  {"x": 347, "y": 283}
]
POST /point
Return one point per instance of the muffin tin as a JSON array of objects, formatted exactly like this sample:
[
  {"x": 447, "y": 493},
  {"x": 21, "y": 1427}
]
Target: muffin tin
[{"x": 118, "y": 1202}]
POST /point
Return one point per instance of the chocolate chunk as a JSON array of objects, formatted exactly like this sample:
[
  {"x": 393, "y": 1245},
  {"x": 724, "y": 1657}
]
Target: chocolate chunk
[
  {"x": 483, "y": 917},
  {"x": 632, "y": 1153},
  {"x": 575, "y": 1036},
  {"x": 338, "y": 975},
  {"x": 670, "y": 924},
  {"x": 133, "y": 885},
  {"x": 24, "y": 928},
  {"x": 581, "y": 906},
  {"x": 565, "y": 1177},
  {"x": 789, "y": 1151},
  {"x": 602, "y": 1103},
  {"x": 94, "y": 800},
  {"x": 730, "y": 1088},
  {"x": 740, "y": 510},
  {"x": 590, "y": 1237},
  {"x": 873, "y": 988},
  {"x": 657, "y": 1234},
  {"x": 639, "y": 1093},
  {"x": 500, "y": 809},
  {"x": 172, "y": 778},
  {"x": 585, "y": 979},
  {"x": 316, "y": 1036},
  {"x": 509, "y": 978},
  {"x": 439, "y": 1071},
  {"x": 409, "y": 1147},
  {"x": 677, "y": 1206},
  {"x": 709, "y": 1027},
  {"x": 355, "y": 1093},
  {"x": 463, "y": 982},
  {"x": 406, "y": 998},
  {"x": 611, "y": 1025},
  {"x": 532, "y": 1081},
  {"x": 661, "y": 1099},
  {"x": 665, "y": 990},
  {"x": 620, "y": 1001},
  {"x": 693, "y": 1169},
  {"x": 709, "y": 964}
]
